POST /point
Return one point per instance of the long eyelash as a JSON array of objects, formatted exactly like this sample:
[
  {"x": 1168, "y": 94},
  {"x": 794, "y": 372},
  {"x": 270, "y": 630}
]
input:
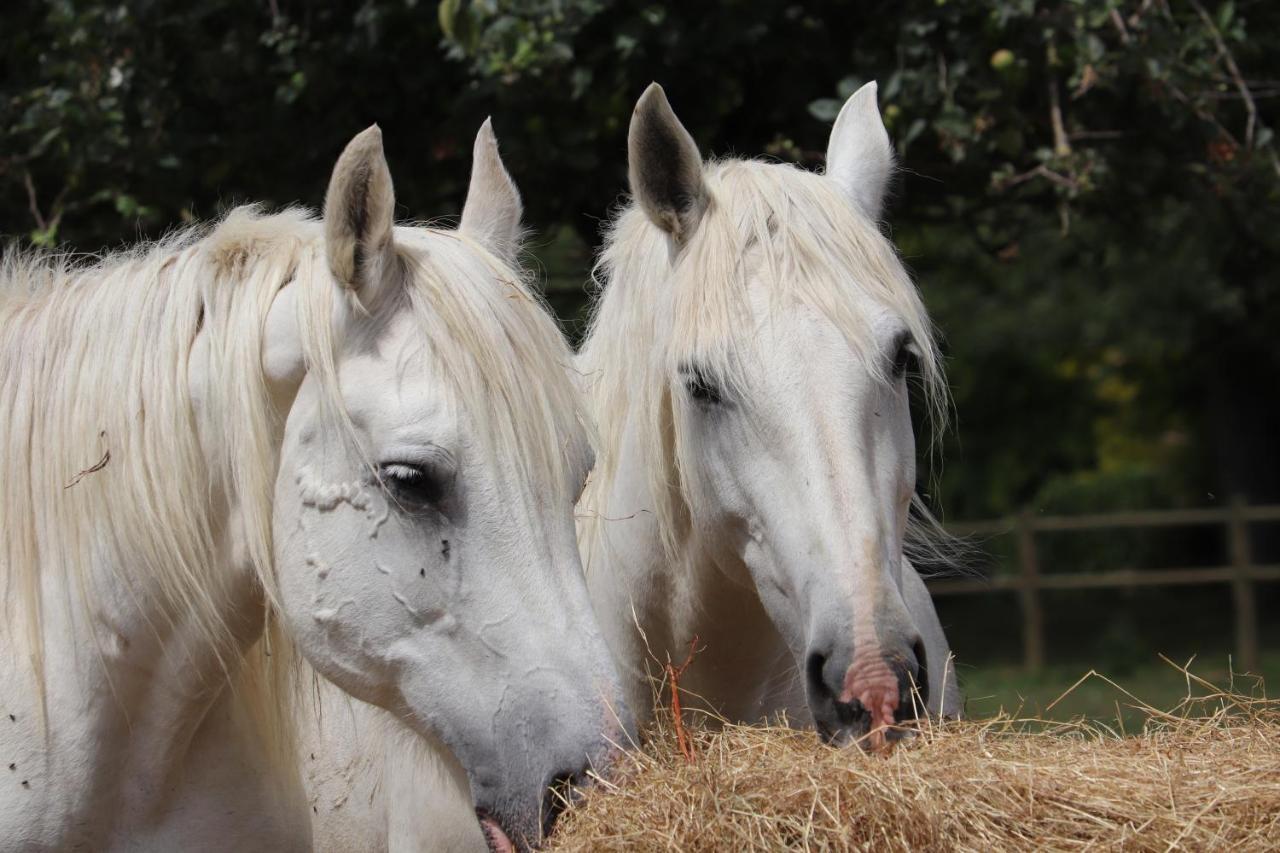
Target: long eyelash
[
  {"x": 701, "y": 389},
  {"x": 402, "y": 472},
  {"x": 402, "y": 480},
  {"x": 701, "y": 386},
  {"x": 903, "y": 351}
]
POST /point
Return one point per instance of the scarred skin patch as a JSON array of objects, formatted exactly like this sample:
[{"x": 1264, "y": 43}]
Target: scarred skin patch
[{"x": 326, "y": 496}]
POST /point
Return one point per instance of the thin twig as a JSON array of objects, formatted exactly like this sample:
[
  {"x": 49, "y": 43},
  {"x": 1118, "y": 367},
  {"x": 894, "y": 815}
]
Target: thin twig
[
  {"x": 1095, "y": 134},
  {"x": 1202, "y": 114},
  {"x": 1041, "y": 171},
  {"x": 94, "y": 468},
  {"x": 1235, "y": 96},
  {"x": 1250, "y": 107},
  {"x": 1061, "y": 145},
  {"x": 32, "y": 204},
  {"x": 1120, "y": 27},
  {"x": 1136, "y": 17},
  {"x": 673, "y": 678}
]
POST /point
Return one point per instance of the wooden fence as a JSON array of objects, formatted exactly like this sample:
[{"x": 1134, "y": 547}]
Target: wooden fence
[{"x": 1029, "y": 582}]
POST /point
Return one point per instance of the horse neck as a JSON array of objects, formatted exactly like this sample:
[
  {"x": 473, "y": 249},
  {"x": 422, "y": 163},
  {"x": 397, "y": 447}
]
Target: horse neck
[
  {"x": 160, "y": 670},
  {"x": 130, "y": 694}
]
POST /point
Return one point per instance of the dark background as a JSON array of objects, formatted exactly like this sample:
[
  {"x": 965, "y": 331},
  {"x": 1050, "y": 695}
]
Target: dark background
[{"x": 1089, "y": 199}]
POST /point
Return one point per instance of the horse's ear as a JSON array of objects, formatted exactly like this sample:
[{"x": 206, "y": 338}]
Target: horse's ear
[
  {"x": 492, "y": 211},
  {"x": 859, "y": 155},
  {"x": 359, "y": 212},
  {"x": 665, "y": 167}
]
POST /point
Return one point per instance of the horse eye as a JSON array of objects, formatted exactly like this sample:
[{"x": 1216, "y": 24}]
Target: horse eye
[
  {"x": 905, "y": 354},
  {"x": 702, "y": 388},
  {"x": 412, "y": 484}
]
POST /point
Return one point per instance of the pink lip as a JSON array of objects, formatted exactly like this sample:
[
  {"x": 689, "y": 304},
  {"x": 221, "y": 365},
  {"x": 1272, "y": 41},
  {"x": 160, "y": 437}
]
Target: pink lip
[{"x": 496, "y": 838}]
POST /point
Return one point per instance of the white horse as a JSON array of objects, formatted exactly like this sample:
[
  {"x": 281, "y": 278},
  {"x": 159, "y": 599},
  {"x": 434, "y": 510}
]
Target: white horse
[
  {"x": 372, "y": 783},
  {"x": 351, "y": 437},
  {"x": 747, "y": 367}
]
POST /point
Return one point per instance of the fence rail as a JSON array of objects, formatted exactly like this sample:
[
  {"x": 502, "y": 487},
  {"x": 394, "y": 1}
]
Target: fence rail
[{"x": 1242, "y": 574}]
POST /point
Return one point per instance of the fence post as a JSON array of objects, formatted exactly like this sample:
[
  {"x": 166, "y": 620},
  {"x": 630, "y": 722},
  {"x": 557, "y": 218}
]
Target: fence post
[
  {"x": 1242, "y": 589},
  {"x": 1029, "y": 594}
]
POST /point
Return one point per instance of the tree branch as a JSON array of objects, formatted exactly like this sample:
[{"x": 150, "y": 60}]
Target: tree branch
[
  {"x": 1061, "y": 145},
  {"x": 1120, "y": 27},
  {"x": 1205, "y": 116},
  {"x": 1250, "y": 107},
  {"x": 1079, "y": 135},
  {"x": 1040, "y": 171},
  {"x": 33, "y": 204},
  {"x": 1136, "y": 17}
]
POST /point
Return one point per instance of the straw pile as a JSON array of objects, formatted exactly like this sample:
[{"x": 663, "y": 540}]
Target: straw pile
[{"x": 1205, "y": 775}]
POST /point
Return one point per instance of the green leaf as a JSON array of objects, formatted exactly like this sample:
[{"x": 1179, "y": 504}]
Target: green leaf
[
  {"x": 848, "y": 85},
  {"x": 43, "y": 142},
  {"x": 914, "y": 130},
  {"x": 1226, "y": 12},
  {"x": 447, "y": 12},
  {"x": 825, "y": 109},
  {"x": 45, "y": 238}
]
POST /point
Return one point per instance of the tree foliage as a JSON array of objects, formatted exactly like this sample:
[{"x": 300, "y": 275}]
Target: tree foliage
[{"x": 1090, "y": 190}]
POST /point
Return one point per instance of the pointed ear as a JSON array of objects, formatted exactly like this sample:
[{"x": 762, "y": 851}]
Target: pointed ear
[
  {"x": 859, "y": 155},
  {"x": 491, "y": 215},
  {"x": 359, "y": 210},
  {"x": 665, "y": 167}
]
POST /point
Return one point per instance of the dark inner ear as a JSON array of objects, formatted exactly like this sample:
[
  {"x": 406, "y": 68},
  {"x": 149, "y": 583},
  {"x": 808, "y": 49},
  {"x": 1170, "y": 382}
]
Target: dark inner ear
[
  {"x": 358, "y": 216},
  {"x": 358, "y": 209},
  {"x": 665, "y": 172},
  {"x": 666, "y": 168}
]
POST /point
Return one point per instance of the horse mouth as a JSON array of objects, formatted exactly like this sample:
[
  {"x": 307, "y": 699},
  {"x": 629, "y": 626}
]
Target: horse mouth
[
  {"x": 850, "y": 723},
  {"x": 495, "y": 837}
]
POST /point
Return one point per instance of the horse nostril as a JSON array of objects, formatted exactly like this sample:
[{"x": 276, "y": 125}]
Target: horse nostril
[
  {"x": 560, "y": 792},
  {"x": 830, "y": 714},
  {"x": 814, "y": 666},
  {"x": 913, "y": 686}
]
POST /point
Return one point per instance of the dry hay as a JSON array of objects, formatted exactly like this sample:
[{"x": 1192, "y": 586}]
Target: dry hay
[{"x": 1203, "y": 776}]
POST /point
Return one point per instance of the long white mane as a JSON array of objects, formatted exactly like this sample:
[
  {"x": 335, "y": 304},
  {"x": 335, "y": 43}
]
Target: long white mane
[
  {"x": 800, "y": 236},
  {"x": 100, "y": 460}
]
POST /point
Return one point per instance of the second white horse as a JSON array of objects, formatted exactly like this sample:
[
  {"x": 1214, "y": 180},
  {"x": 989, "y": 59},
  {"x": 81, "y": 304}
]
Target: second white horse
[{"x": 748, "y": 367}]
